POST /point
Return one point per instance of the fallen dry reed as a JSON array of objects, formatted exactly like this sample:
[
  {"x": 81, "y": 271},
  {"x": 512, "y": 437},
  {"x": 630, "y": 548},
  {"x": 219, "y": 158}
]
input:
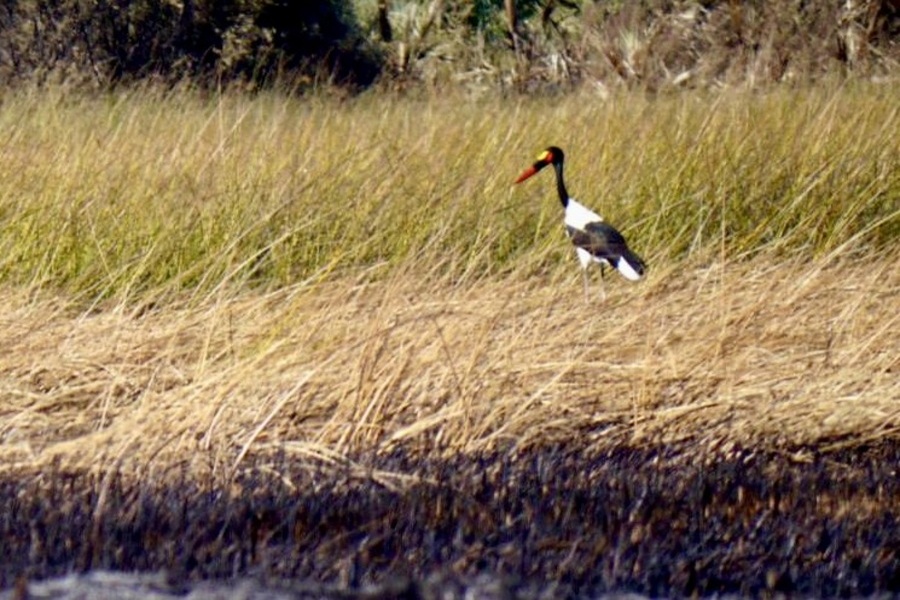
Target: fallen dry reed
[{"x": 784, "y": 356}]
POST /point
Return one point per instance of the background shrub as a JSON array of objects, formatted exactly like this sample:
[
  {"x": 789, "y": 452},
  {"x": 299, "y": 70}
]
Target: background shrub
[
  {"x": 104, "y": 41},
  {"x": 525, "y": 45}
]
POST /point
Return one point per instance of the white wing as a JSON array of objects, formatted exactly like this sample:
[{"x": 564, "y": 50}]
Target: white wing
[{"x": 579, "y": 215}]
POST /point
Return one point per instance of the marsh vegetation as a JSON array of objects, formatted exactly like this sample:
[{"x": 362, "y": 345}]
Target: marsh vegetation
[{"x": 241, "y": 328}]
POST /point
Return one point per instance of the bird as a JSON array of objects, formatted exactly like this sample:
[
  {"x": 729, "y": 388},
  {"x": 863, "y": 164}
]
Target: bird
[{"x": 595, "y": 240}]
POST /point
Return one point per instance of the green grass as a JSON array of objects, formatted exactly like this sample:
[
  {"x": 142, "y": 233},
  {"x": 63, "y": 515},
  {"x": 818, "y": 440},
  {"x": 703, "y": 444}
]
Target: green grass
[{"x": 149, "y": 192}]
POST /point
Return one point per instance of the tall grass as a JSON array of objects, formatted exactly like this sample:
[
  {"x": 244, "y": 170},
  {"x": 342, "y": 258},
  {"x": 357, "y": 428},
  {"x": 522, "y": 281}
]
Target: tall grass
[
  {"x": 119, "y": 195},
  {"x": 192, "y": 279}
]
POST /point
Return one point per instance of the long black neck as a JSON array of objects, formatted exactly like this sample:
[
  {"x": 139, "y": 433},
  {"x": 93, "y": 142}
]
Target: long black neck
[{"x": 561, "y": 185}]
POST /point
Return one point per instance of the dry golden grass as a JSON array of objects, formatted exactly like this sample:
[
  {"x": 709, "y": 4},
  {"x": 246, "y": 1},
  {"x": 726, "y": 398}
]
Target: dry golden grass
[
  {"x": 781, "y": 355},
  {"x": 181, "y": 287}
]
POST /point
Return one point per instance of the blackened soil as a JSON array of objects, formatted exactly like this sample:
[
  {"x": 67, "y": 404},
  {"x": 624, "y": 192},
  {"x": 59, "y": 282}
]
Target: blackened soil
[{"x": 660, "y": 522}]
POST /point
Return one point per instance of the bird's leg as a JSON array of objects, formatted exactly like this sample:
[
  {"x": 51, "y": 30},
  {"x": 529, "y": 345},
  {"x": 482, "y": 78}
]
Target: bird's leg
[
  {"x": 602, "y": 282},
  {"x": 584, "y": 277}
]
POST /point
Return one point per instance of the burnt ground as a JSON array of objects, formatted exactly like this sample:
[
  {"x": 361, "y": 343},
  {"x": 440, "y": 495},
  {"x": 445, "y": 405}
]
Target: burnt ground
[{"x": 662, "y": 521}]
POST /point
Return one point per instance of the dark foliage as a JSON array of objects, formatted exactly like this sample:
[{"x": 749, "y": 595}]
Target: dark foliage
[
  {"x": 110, "y": 41},
  {"x": 263, "y": 41},
  {"x": 653, "y": 521},
  {"x": 651, "y": 44}
]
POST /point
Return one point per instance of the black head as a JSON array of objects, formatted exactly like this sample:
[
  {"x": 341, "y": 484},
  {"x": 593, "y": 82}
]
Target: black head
[{"x": 551, "y": 156}]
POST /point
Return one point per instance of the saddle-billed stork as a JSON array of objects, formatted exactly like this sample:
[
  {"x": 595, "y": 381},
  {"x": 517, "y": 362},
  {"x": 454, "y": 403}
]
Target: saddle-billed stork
[{"x": 594, "y": 240}]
